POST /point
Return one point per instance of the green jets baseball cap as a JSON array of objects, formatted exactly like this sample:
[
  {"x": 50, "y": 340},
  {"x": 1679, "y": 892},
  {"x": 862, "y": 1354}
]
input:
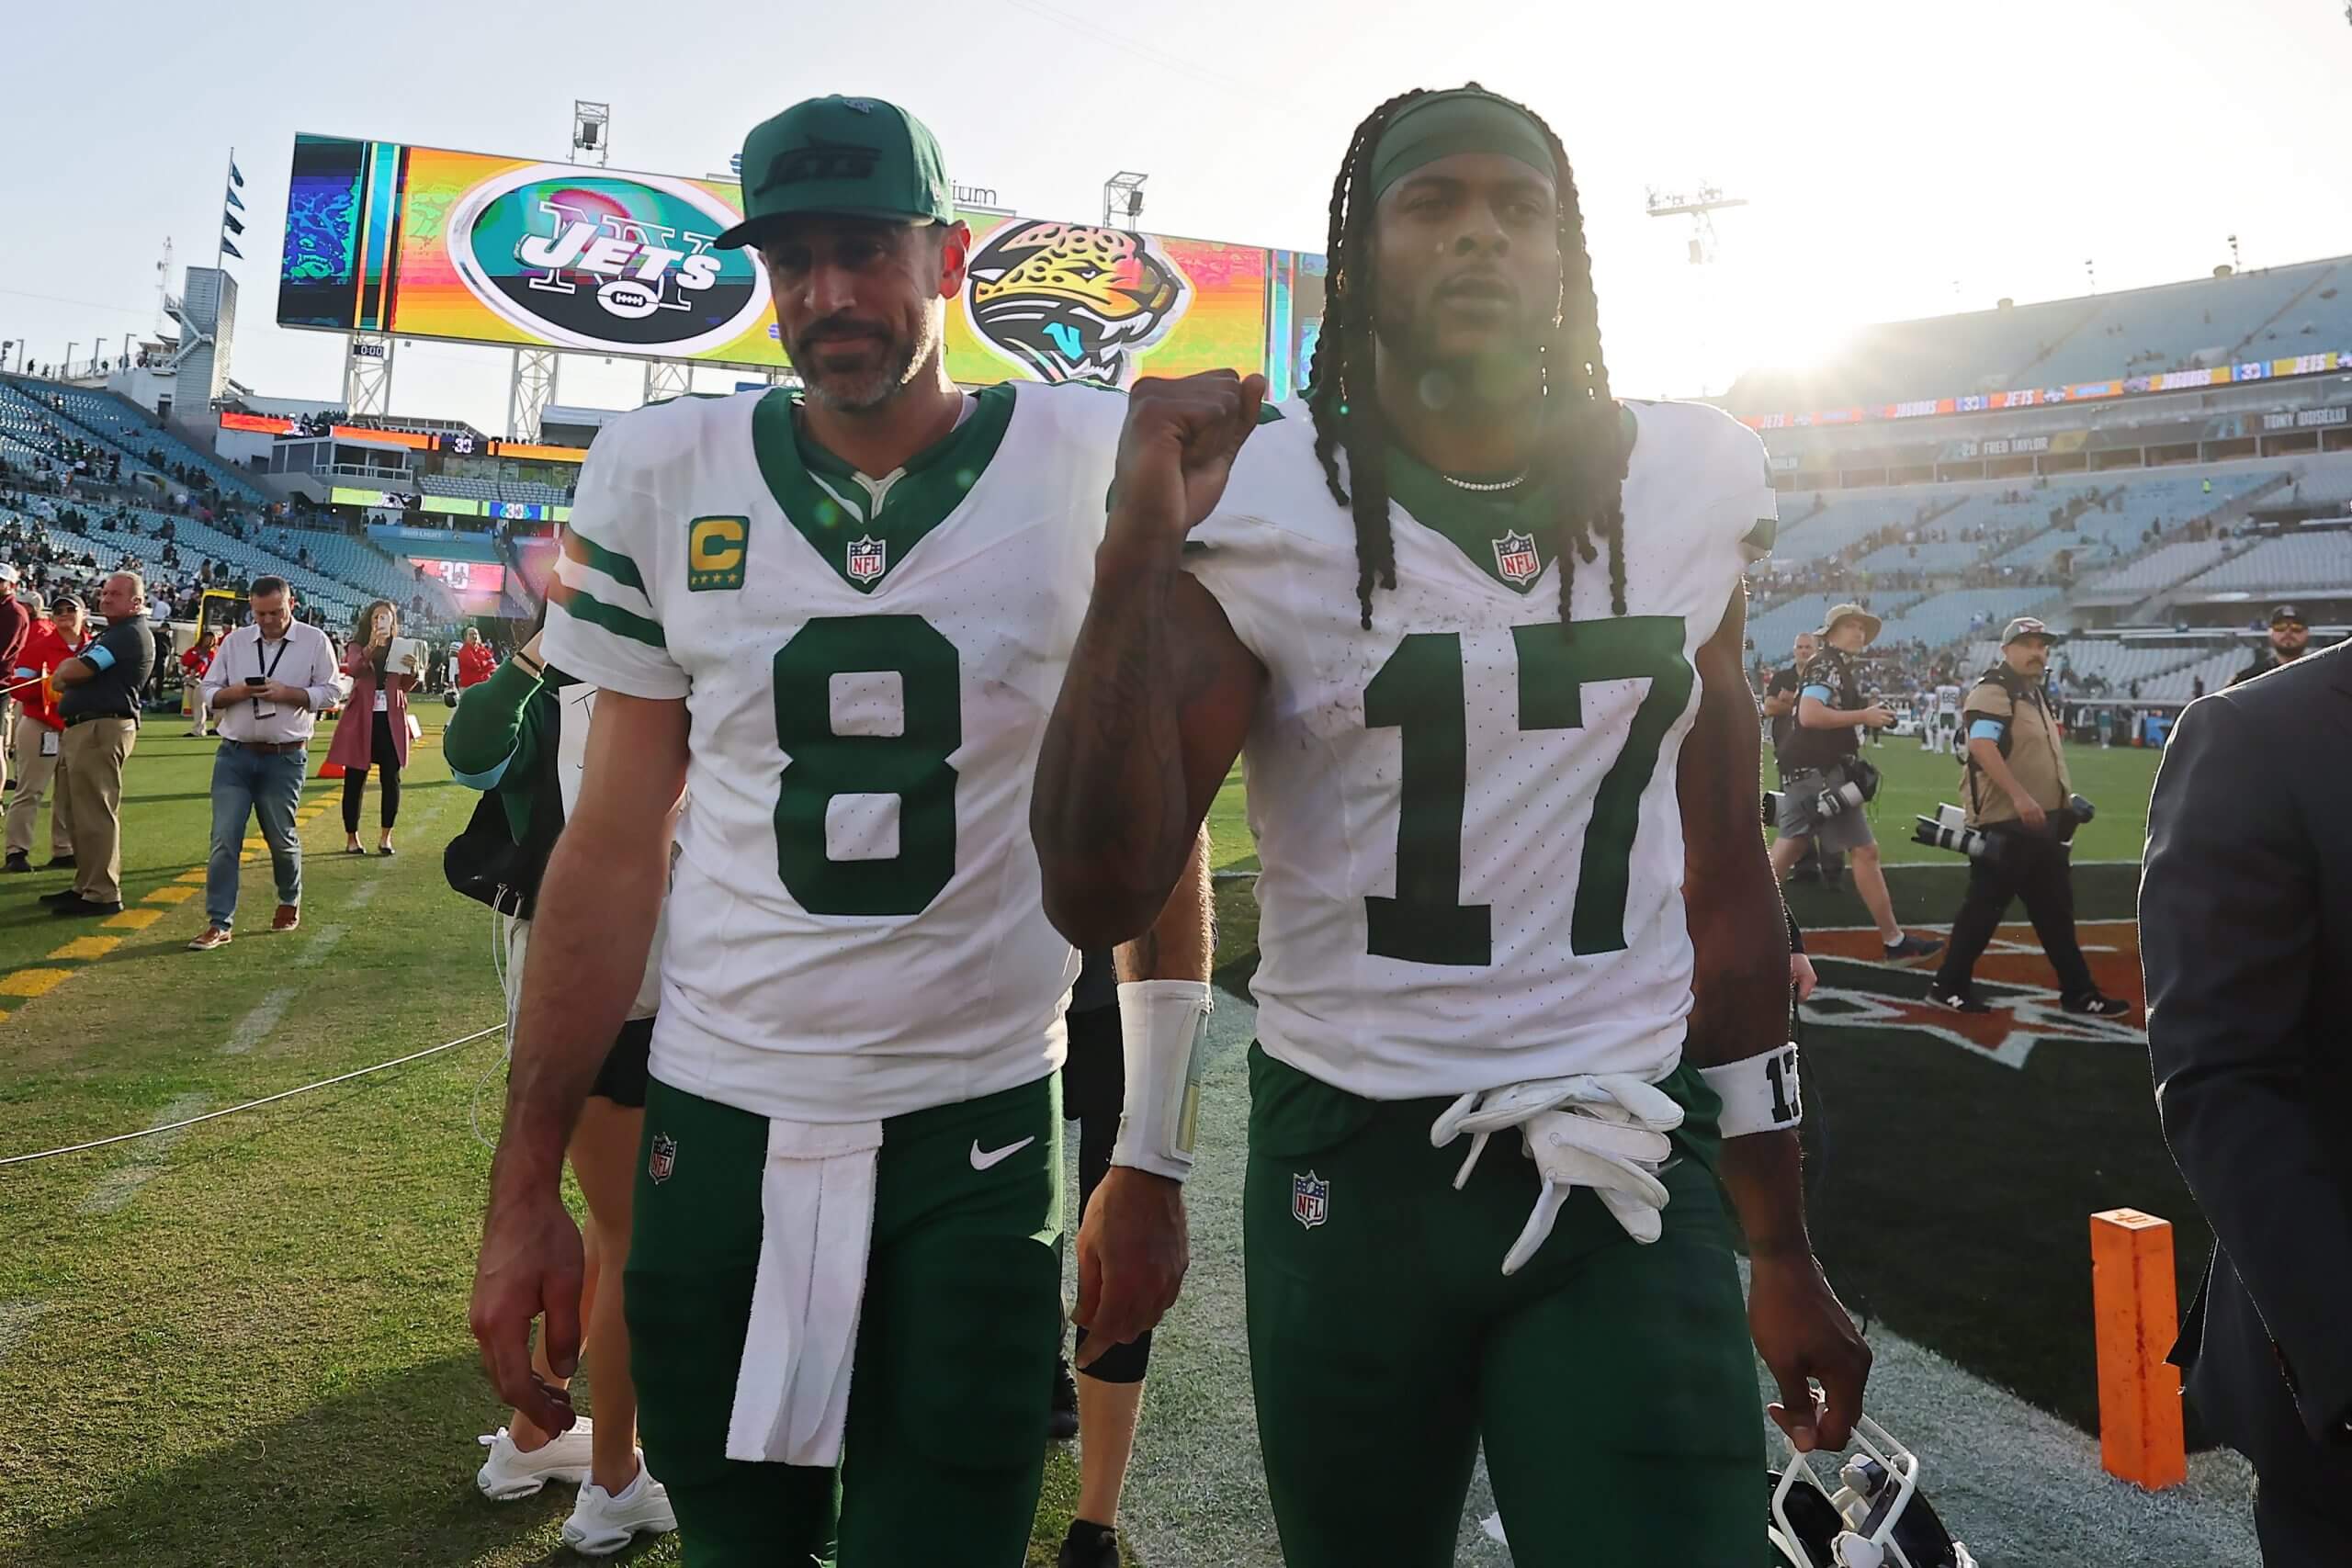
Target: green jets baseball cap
[{"x": 854, "y": 157}]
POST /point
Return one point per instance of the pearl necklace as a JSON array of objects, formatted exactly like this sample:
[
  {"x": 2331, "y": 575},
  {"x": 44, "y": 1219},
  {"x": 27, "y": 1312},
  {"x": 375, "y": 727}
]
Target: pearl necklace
[{"x": 1486, "y": 489}]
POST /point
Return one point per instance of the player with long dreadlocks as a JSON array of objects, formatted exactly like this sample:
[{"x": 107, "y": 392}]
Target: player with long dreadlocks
[{"x": 1481, "y": 781}]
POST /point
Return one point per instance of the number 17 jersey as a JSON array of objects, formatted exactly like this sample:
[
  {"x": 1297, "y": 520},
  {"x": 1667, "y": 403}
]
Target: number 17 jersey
[
  {"x": 1468, "y": 832},
  {"x": 856, "y": 929}
]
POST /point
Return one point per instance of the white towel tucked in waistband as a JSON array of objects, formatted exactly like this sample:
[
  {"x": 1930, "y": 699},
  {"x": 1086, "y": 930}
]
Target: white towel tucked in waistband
[{"x": 817, "y": 1213}]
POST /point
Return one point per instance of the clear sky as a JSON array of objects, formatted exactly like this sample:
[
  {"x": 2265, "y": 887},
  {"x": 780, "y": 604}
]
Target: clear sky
[{"x": 1901, "y": 158}]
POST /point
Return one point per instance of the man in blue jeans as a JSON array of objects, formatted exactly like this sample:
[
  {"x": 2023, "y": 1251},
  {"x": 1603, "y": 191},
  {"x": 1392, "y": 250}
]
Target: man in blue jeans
[{"x": 268, "y": 685}]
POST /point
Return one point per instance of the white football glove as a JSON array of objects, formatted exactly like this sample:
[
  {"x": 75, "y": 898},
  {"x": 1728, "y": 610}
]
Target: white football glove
[{"x": 1605, "y": 1131}]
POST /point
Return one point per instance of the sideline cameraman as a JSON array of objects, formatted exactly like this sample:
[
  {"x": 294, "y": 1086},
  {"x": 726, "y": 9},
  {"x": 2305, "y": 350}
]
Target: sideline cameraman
[
  {"x": 1823, "y": 758},
  {"x": 1817, "y": 865},
  {"x": 2018, "y": 796}
]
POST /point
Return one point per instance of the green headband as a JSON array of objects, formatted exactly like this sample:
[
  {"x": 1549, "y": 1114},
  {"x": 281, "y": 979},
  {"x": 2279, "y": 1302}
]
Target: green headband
[{"x": 1459, "y": 120}]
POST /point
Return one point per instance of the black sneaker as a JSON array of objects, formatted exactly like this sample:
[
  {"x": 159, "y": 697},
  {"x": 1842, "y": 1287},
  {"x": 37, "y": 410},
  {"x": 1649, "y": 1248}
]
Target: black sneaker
[
  {"x": 1061, "y": 1426},
  {"x": 78, "y": 905},
  {"x": 58, "y": 862},
  {"x": 1958, "y": 1001},
  {"x": 1088, "y": 1545},
  {"x": 63, "y": 896},
  {"x": 2097, "y": 1005},
  {"x": 1912, "y": 947},
  {"x": 18, "y": 863}
]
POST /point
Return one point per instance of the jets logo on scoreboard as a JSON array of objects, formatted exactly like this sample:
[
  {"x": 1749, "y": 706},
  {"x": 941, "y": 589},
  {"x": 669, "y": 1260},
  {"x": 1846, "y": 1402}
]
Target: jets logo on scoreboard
[
  {"x": 868, "y": 559},
  {"x": 581, "y": 258},
  {"x": 1516, "y": 561}
]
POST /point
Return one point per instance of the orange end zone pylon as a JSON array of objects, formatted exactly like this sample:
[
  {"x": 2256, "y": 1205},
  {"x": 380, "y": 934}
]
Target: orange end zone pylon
[{"x": 2137, "y": 1311}]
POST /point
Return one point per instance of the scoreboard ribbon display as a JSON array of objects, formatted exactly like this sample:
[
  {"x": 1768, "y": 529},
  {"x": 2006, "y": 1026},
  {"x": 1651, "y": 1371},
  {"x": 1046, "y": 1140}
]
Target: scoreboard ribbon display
[{"x": 420, "y": 241}]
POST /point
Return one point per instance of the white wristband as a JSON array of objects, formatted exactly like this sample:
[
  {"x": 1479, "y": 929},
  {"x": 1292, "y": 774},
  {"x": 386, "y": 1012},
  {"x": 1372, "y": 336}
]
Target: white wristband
[
  {"x": 1166, "y": 1051},
  {"x": 1760, "y": 1094}
]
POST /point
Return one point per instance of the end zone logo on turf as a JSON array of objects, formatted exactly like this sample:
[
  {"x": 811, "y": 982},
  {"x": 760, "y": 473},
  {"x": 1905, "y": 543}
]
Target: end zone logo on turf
[
  {"x": 586, "y": 259},
  {"x": 1858, "y": 992}
]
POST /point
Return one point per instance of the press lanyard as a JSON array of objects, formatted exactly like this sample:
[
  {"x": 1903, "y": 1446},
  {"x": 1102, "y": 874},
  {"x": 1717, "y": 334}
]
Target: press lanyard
[{"x": 270, "y": 673}]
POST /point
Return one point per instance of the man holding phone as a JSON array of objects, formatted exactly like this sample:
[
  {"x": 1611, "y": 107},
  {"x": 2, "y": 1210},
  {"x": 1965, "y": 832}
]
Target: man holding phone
[{"x": 266, "y": 687}]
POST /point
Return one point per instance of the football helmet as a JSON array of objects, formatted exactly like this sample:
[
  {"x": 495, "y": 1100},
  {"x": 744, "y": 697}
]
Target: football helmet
[{"x": 1876, "y": 1517}]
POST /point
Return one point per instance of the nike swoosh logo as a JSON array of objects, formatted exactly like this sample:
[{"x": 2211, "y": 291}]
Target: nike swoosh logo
[{"x": 997, "y": 1156}]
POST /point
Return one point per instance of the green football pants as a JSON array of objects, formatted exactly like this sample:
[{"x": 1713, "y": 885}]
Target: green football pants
[
  {"x": 945, "y": 1444},
  {"x": 1612, "y": 1383}
]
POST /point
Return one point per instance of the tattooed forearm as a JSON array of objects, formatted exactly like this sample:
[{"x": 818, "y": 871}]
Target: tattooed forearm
[{"x": 1110, "y": 816}]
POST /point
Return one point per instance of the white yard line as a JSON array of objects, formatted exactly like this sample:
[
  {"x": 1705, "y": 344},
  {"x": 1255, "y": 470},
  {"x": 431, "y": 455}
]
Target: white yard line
[
  {"x": 17, "y": 1321},
  {"x": 254, "y": 1027},
  {"x": 111, "y": 1190},
  {"x": 321, "y": 945}
]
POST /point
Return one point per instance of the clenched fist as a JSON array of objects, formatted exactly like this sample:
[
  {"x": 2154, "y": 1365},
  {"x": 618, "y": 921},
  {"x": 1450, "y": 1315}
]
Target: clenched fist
[{"x": 1181, "y": 438}]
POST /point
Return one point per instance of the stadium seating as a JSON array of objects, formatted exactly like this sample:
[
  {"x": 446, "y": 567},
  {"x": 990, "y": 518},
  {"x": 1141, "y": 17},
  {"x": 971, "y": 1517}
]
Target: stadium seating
[
  {"x": 1773, "y": 630},
  {"x": 2214, "y": 670},
  {"x": 1946, "y": 617},
  {"x": 462, "y": 485},
  {"x": 2155, "y": 571},
  {"x": 130, "y": 428},
  {"x": 2302, "y": 562},
  {"x": 2325, "y": 481},
  {"x": 2255, "y": 315},
  {"x": 2120, "y": 525}
]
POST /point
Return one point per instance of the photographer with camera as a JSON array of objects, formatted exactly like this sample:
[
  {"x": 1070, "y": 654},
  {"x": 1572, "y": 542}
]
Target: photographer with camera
[
  {"x": 1815, "y": 864},
  {"x": 1825, "y": 784},
  {"x": 2019, "y": 798}
]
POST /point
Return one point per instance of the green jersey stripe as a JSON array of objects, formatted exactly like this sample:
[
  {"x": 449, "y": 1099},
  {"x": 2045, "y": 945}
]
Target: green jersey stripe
[
  {"x": 583, "y": 606},
  {"x": 612, "y": 563}
]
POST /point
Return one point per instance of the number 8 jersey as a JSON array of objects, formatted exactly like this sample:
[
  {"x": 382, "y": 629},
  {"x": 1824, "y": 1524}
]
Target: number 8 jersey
[
  {"x": 855, "y": 927},
  {"x": 1470, "y": 844}
]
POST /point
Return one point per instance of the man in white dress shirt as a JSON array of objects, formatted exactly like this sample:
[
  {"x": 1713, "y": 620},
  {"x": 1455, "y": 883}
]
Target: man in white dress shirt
[{"x": 268, "y": 685}]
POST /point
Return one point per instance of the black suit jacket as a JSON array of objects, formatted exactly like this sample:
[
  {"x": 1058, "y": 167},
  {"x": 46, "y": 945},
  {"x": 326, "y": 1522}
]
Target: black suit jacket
[{"x": 2245, "y": 929}]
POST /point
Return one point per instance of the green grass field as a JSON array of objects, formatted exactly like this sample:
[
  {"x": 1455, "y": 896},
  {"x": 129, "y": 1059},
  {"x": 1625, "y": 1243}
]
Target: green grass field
[{"x": 246, "y": 1343}]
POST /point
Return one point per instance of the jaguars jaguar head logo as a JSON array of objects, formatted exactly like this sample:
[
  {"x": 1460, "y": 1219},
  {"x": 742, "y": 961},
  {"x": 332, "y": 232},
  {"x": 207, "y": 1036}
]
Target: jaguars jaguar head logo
[{"x": 1070, "y": 303}]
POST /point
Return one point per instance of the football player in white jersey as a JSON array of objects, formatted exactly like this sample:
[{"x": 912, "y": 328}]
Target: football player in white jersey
[
  {"x": 1476, "y": 628},
  {"x": 842, "y": 619}
]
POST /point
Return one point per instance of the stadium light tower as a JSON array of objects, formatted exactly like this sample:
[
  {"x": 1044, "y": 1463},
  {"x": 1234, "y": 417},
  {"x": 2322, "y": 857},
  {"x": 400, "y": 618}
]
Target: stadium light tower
[
  {"x": 1123, "y": 198},
  {"x": 591, "y": 126},
  {"x": 1701, "y": 206}
]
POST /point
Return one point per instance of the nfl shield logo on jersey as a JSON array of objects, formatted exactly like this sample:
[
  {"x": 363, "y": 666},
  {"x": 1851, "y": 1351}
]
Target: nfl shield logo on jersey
[
  {"x": 1515, "y": 558},
  {"x": 865, "y": 559},
  {"x": 664, "y": 1159},
  {"x": 1310, "y": 1199}
]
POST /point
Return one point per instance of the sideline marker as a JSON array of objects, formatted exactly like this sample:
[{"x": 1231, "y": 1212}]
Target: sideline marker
[{"x": 2137, "y": 1311}]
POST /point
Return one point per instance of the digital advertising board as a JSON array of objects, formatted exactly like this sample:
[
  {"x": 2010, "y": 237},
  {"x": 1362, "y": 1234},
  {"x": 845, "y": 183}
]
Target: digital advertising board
[
  {"x": 476, "y": 584},
  {"x": 422, "y": 241}
]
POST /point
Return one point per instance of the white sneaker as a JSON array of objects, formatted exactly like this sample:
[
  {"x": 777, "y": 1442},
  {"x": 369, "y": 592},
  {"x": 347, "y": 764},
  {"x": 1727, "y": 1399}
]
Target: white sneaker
[
  {"x": 509, "y": 1472},
  {"x": 601, "y": 1523}
]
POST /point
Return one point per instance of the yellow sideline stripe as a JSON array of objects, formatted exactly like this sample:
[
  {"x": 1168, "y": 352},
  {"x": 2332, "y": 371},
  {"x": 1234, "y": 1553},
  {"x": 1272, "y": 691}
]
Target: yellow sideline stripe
[
  {"x": 33, "y": 982},
  {"x": 39, "y": 981}
]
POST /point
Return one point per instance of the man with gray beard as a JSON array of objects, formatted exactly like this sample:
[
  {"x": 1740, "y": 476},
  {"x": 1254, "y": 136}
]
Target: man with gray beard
[{"x": 843, "y": 613}]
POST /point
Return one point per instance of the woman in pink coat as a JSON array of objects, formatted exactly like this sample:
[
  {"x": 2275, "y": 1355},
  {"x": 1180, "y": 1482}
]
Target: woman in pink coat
[{"x": 373, "y": 730}]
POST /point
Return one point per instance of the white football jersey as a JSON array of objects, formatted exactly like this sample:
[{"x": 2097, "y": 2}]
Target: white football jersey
[
  {"x": 1470, "y": 843},
  {"x": 856, "y": 928}
]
